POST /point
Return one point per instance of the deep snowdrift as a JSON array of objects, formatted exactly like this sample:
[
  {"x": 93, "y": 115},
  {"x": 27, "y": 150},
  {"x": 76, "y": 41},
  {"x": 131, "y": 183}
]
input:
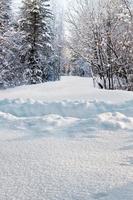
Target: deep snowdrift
[{"x": 66, "y": 141}]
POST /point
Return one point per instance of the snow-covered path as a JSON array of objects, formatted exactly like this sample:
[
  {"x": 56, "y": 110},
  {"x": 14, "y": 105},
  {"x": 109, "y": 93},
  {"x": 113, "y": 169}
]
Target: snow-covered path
[
  {"x": 69, "y": 88},
  {"x": 66, "y": 141}
]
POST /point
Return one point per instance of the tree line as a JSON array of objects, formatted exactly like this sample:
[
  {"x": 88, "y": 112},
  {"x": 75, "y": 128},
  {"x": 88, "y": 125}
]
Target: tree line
[
  {"x": 27, "y": 44},
  {"x": 101, "y": 33}
]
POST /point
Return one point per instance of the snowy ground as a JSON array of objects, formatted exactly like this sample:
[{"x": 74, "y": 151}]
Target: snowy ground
[{"x": 66, "y": 141}]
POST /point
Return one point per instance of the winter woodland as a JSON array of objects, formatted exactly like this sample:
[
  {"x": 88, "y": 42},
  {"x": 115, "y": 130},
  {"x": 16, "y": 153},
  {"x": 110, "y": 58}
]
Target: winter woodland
[
  {"x": 102, "y": 35},
  {"x": 88, "y": 38}
]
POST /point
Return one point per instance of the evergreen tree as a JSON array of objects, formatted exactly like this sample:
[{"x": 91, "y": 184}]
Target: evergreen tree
[
  {"x": 36, "y": 40},
  {"x": 5, "y": 16}
]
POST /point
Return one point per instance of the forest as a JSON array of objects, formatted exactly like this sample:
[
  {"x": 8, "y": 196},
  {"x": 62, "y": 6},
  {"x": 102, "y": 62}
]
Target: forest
[
  {"x": 44, "y": 41},
  {"x": 28, "y": 52}
]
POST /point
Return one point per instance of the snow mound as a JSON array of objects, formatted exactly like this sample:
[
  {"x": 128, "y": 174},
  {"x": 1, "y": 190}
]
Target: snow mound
[
  {"x": 77, "y": 109},
  {"x": 116, "y": 121},
  {"x": 65, "y": 118}
]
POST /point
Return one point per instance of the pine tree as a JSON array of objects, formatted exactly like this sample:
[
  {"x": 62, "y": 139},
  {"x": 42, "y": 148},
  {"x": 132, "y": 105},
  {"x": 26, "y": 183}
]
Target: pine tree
[
  {"x": 36, "y": 40},
  {"x": 5, "y": 16}
]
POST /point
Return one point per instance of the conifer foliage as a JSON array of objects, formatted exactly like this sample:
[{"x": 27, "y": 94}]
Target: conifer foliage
[
  {"x": 36, "y": 40},
  {"x": 27, "y": 55},
  {"x": 5, "y": 15}
]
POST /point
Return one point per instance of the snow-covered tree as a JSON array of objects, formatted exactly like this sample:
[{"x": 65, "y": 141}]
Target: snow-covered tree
[
  {"x": 5, "y": 17},
  {"x": 11, "y": 70},
  {"x": 36, "y": 47},
  {"x": 103, "y": 35},
  {"x": 5, "y": 13}
]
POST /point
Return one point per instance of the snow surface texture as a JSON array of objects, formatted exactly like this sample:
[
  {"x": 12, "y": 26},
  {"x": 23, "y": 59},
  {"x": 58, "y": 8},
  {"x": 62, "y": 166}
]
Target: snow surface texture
[{"x": 66, "y": 141}]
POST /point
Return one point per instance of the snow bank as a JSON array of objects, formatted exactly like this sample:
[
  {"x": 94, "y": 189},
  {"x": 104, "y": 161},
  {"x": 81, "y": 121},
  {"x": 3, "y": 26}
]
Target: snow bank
[
  {"x": 77, "y": 109},
  {"x": 62, "y": 118}
]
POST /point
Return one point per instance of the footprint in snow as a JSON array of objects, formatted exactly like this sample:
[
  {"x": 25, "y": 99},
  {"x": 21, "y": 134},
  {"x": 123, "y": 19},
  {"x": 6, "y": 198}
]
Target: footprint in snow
[{"x": 99, "y": 195}]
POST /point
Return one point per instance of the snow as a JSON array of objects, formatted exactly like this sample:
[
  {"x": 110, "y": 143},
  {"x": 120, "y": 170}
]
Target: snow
[
  {"x": 66, "y": 141},
  {"x": 70, "y": 88}
]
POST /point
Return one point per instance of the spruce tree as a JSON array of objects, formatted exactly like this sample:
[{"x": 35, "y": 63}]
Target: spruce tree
[
  {"x": 36, "y": 42},
  {"x": 5, "y": 16}
]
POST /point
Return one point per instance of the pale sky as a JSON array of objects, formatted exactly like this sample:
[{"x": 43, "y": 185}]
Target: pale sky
[
  {"x": 17, "y": 3},
  {"x": 62, "y": 2}
]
